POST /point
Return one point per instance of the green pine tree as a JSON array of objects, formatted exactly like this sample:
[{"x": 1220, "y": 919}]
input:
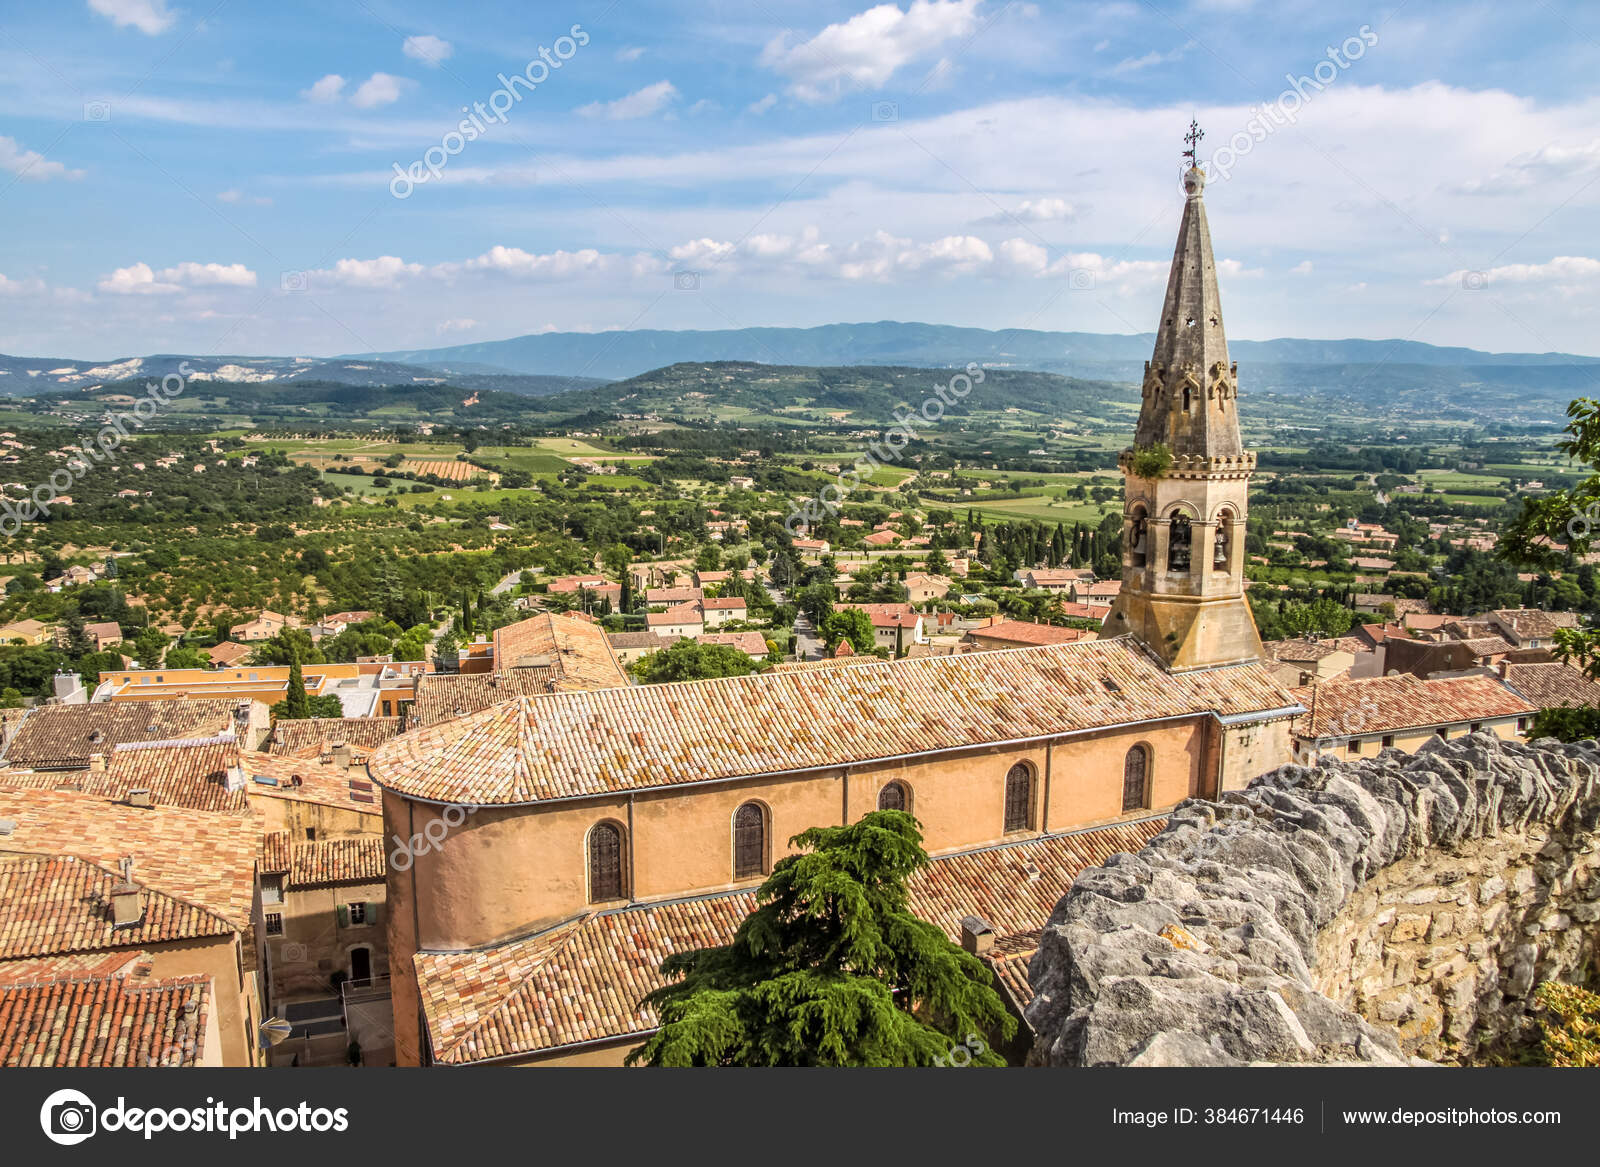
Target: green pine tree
[{"x": 831, "y": 969}]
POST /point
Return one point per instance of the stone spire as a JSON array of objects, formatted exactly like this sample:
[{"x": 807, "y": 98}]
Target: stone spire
[
  {"x": 1190, "y": 385},
  {"x": 1184, "y": 518}
]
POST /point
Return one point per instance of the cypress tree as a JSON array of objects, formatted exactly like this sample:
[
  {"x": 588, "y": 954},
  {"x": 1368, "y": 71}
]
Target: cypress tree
[{"x": 296, "y": 705}]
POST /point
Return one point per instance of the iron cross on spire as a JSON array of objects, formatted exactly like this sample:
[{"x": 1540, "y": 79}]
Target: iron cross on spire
[{"x": 1193, "y": 138}]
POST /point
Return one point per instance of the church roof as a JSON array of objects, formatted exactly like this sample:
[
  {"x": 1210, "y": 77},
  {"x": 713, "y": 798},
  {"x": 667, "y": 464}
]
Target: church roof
[
  {"x": 583, "y": 744},
  {"x": 583, "y": 980}
]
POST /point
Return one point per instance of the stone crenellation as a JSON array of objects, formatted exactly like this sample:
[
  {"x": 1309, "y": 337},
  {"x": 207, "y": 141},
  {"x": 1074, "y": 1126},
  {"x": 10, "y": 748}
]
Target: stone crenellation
[{"x": 1388, "y": 910}]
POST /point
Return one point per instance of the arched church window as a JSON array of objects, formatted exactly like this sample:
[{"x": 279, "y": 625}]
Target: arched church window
[
  {"x": 1019, "y": 798},
  {"x": 1135, "y": 779},
  {"x": 749, "y": 841},
  {"x": 1186, "y": 399},
  {"x": 605, "y": 863},
  {"x": 1179, "y": 540},
  {"x": 892, "y": 797}
]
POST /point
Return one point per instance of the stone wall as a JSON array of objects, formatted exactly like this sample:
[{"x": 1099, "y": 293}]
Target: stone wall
[{"x": 1392, "y": 908}]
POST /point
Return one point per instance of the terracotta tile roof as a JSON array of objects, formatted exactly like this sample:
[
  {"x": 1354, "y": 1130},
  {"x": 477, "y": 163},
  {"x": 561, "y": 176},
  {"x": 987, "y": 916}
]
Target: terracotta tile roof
[
  {"x": 122, "y": 1016},
  {"x": 572, "y": 745},
  {"x": 1021, "y": 632},
  {"x": 445, "y": 696},
  {"x": 54, "y": 904},
  {"x": 638, "y": 640},
  {"x": 201, "y": 861},
  {"x": 274, "y": 857},
  {"x": 1550, "y": 686},
  {"x": 673, "y": 596},
  {"x": 356, "y": 859},
  {"x": 64, "y": 736},
  {"x": 752, "y": 644},
  {"x": 887, "y": 615},
  {"x": 191, "y": 773},
  {"x": 308, "y": 780},
  {"x": 724, "y": 604},
  {"x": 1299, "y": 650},
  {"x": 1534, "y": 623},
  {"x": 582, "y": 980},
  {"x": 576, "y": 651},
  {"x": 312, "y": 737},
  {"x": 828, "y": 662},
  {"x": 1350, "y": 707},
  {"x": 1487, "y": 646}
]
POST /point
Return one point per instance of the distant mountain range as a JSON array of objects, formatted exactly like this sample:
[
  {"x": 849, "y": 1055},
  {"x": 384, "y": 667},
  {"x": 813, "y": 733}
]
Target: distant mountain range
[
  {"x": 1422, "y": 379},
  {"x": 617, "y": 355},
  {"x": 30, "y": 376}
]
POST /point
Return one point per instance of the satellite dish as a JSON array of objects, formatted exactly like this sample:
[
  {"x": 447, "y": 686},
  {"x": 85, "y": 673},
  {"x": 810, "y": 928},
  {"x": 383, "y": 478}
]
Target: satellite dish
[{"x": 274, "y": 1030}]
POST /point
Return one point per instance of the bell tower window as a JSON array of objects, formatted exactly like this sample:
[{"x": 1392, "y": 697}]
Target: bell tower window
[{"x": 1179, "y": 540}]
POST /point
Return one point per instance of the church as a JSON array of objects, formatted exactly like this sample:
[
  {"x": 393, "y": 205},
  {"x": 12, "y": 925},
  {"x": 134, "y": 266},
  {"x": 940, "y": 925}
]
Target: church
[{"x": 575, "y": 838}]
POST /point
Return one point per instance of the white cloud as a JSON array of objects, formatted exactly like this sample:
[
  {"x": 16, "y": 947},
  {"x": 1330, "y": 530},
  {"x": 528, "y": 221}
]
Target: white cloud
[
  {"x": 1303, "y": 268},
  {"x": 202, "y": 275},
  {"x": 866, "y": 50},
  {"x": 430, "y": 50},
  {"x": 760, "y": 107},
  {"x": 1560, "y": 271},
  {"x": 631, "y": 53},
  {"x": 1152, "y": 58},
  {"x": 379, "y": 89},
  {"x": 459, "y": 324},
  {"x": 136, "y": 279},
  {"x": 11, "y": 287},
  {"x": 235, "y": 195},
  {"x": 704, "y": 105},
  {"x": 140, "y": 279},
  {"x": 1233, "y": 269},
  {"x": 1034, "y": 211},
  {"x": 651, "y": 99},
  {"x": 513, "y": 261},
  {"x": 31, "y": 164},
  {"x": 387, "y": 271},
  {"x": 151, "y": 17},
  {"x": 326, "y": 90}
]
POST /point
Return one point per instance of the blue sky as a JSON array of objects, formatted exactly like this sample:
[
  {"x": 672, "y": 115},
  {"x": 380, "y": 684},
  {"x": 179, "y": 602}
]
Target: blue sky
[{"x": 222, "y": 177}]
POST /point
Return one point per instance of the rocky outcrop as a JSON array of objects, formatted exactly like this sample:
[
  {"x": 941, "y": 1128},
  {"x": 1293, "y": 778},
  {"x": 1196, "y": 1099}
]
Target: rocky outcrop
[{"x": 1374, "y": 911}]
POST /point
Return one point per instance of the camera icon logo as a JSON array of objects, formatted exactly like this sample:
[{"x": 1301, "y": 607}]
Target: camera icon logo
[
  {"x": 686, "y": 281},
  {"x": 885, "y": 111},
  {"x": 1474, "y": 281},
  {"x": 68, "y": 1117},
  {"x": 1080, "y": 279},
  {"x": 97, "y": 111},
  {"x": 294, "y": 952},
  {"x": 294, "y": 281}
]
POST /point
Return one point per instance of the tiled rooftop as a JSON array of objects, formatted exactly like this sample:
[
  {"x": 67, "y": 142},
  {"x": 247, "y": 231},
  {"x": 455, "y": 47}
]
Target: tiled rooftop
[
  {"x": 1022, "y": 632},
  {"x": 313, "y": 737},
  {"x": 64, "y": 736},
  {"x": 570, "y": 745},
  {"x": 308, "y": 780},
  {"x": 1351, "y": 707},
  {"x": 583, "y": 980},
  {"x": 107, "y": 1012},
  {"x": 445, "y": 696},
  {"x": 576, "y": 651},
  {"x": 1550, "y": 686},
  {"x": 198, "y": 860},
  {"x": 356, "y": 859}
]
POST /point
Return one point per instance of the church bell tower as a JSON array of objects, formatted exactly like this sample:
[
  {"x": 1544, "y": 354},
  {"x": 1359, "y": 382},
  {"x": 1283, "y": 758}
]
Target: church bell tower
[{"x": 1187, "y": 476}]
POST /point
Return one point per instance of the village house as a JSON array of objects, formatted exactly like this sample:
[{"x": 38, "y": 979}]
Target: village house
[
  {"x": 1531, "y": 627},
  {"x": 264, "y": 626},
  {"x": 1352, "y": 717},
  {"x": 722, "y": 610},
  {"x": 630, "y": 646},
  {"x": 681, "y": 620},
  {"x": 1002, "y": 633},
  {"x": 28, "y": 632},
  {"x": 921, "y": 587},
  {"x": 752, "y": 644},
  {"x": 84, "y": 877},
  {"x": 895, "y": 627}
]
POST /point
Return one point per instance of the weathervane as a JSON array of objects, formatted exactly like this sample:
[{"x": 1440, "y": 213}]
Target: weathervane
[{"x": 1193, "y": 138}]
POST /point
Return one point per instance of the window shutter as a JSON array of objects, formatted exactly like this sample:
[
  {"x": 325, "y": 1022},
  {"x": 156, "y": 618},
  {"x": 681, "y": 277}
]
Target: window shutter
[
  {"x": 343, "y": 912},
  {"x": 374, "y": 912}
]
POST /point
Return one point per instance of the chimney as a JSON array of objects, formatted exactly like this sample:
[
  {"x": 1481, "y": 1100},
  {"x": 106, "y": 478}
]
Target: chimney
[
  {"x": 341, "y": 755},
  {"x": 977, "y": 936},
  {"x": 1504, "y": 669},
  {"x": 139, "y": 796},
  {"x": 97, "y": 763},
  {"x": 127, "y": 899}
]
